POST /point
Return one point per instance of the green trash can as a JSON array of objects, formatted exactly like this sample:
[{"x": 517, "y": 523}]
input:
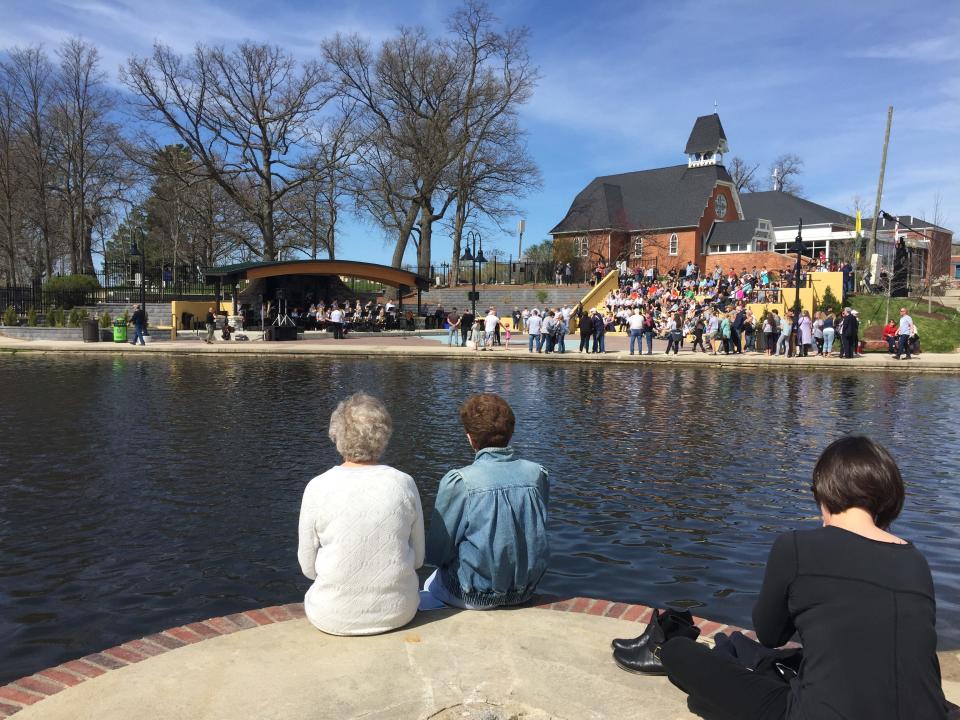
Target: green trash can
[{"x": 119, "y": 331}]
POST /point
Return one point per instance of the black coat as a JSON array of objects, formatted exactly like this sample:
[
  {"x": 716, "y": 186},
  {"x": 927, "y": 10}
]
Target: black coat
[
  {"x": 850, "y": 327},
  {"x": 586, "y": 325}
]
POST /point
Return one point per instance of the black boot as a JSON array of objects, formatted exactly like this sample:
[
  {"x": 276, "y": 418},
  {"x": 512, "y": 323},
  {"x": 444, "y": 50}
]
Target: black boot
[
  {"x": 668, "y": 619},
  {"x": 646, "y": 658}
]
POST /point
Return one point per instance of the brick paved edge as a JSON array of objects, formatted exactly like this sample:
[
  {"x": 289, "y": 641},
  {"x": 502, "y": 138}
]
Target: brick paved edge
[
  {"x": 34, "y": 688},
  {"x": 640, "y": 614}
]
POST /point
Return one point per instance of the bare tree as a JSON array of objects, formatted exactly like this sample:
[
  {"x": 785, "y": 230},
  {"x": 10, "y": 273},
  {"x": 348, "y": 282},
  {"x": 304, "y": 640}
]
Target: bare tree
[
  {"x": 246, "y": 115},
  {"x": 785, "y": 171},
  {"x": 11, "y": 181},
  {"x": 31, "y": 77},
  {"x": 494, "y": 166},
  {"x": 314, "y": 208},
  {"x": 744, "y": 174},
  {"x": 90, "y": 162}
]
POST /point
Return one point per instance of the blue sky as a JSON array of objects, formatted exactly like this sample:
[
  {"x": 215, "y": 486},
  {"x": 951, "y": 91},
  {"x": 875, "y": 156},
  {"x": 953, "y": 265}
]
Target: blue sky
[{"x": 623, "y": 82}]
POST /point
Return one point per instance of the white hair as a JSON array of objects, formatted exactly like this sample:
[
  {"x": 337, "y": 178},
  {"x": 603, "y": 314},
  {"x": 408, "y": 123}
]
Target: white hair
[{"x": 360, "y": 427}]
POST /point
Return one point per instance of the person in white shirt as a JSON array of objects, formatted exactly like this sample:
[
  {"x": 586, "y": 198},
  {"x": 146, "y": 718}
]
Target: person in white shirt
[
  {"x": 361, "y": 536},
  {"x": 635, "y": 325},
  {"x": 905, "y": 331},
  {"x": 336, "y": 319},
  {"x": 490, "y": 323},
  {"x": 533, "y": 329}
]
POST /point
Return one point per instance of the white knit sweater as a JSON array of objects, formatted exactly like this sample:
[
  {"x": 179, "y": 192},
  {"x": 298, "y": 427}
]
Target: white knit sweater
[{"x": 361, "y": 541}]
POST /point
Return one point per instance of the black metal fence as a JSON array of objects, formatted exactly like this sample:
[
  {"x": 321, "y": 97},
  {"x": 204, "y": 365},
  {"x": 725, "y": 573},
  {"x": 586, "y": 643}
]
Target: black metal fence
[
  {"x": 509, "y": 272},
  {"x": 119, "y": 282}
]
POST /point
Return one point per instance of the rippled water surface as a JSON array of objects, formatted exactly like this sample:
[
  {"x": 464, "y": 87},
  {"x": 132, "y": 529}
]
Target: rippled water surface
[{"x": 141, "y": 493}]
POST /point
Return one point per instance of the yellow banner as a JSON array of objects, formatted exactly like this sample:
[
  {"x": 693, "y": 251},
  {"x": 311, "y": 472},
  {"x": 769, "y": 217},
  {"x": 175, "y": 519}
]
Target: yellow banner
[{"x": 859, "y": 224}]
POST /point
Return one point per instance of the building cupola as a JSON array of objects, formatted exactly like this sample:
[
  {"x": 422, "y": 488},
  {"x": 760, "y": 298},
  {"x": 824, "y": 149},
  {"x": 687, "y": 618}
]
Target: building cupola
[{"x": 707, "y": 142}]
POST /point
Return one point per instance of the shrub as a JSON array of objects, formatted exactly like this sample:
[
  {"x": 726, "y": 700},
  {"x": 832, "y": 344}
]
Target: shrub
[
  {"x": 541, "y": 296},
  {"x": 72, "y": 289},
  {"x": 74, "y": 318},
  {"x": 55, "y": 317},
  {"x": 126, "y": 317},
  {"x": 105, "y": 320},
  {"x": 10, "y": 316},
  {"x": 829, "y": 302},
  {"x": 32, "y": 317}
]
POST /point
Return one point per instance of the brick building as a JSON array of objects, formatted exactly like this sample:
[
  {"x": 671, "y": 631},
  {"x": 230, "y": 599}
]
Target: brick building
[{"x": 668, "y": 216}]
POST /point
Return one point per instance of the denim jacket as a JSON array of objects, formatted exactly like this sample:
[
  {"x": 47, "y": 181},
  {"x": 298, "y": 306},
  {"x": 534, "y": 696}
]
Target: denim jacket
[{"x": 488, "y": 533}]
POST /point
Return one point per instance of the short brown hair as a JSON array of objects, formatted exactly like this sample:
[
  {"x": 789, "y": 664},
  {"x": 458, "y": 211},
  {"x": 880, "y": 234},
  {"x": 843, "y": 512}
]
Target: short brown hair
[
  {"x": 488, "y": 419},
  {"x": 854, "y": 471}
]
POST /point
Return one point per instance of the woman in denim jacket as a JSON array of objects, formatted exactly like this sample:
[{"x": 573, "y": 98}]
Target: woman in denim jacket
[{"x": 488, "y": 533}]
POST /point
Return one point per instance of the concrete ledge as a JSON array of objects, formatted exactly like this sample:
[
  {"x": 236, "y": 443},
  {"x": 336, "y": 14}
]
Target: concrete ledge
[
  {"x": 42, "y": 333},
  {"x": 508, "y": 663},
  {"x": 410, "y": 346}
]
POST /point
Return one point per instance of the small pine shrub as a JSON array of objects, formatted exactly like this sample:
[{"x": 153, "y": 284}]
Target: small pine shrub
[
  {"x": 105, "y": 320},
  {"x": 541, "y": 296},
  {"x": 52, "y": 317},
  {"x": 10, "y": 316},
  {"x": 31, "y": 318},
  {"x": 126, "y": 317},
  {"x": 829, "y": 303},
  {"x": 74, "y": 320}
]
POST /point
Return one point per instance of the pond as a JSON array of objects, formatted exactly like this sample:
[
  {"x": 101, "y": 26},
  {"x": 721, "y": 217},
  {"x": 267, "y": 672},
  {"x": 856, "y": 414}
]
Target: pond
[{"x": 138, "y": 494}]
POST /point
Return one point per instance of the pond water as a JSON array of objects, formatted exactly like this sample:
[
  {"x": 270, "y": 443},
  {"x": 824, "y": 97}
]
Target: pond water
[{"x": 141, "y": 493}]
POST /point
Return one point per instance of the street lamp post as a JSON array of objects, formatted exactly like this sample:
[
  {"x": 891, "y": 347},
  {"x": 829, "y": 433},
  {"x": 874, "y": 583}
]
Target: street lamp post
[
  {"x": 475, "y": 258},
  {"x": 797, "y": 247}
]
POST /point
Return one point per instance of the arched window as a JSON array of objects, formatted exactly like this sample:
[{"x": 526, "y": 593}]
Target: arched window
[
  {"x": 638, "y": 246},
  {"x": 674, "y": 248}
]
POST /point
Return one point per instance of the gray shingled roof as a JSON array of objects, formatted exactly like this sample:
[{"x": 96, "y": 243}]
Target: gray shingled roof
[
  {"x": 671, "y": 197},
  {"x": 706, "y": 135},
  {"x": 784, "y": 210},
  {"x": 726, "y": 233}
]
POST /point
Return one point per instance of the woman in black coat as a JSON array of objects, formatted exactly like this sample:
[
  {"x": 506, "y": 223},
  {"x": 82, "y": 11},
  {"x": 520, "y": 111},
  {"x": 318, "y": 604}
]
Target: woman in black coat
[{"x": 585, "y": 325}]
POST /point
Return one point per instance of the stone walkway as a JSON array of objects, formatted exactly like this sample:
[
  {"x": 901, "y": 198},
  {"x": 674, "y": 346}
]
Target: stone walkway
[
  {"x": 519, "y": 664},
  {"x": 427, "y": 346}
]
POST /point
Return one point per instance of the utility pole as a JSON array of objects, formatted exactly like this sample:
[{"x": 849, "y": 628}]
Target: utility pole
[{"x": 872, "y": 245}]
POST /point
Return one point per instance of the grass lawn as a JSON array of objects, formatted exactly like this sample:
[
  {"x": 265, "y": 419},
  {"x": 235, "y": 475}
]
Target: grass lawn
[{"x": 939, "y": 330}]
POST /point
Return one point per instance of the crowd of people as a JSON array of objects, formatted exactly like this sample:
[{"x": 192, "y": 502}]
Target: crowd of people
[{"x": 860, "y": 598}]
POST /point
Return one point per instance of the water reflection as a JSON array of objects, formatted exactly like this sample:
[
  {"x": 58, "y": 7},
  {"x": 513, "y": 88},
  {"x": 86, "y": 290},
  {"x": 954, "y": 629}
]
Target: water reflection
[{"x": 142, "y": 493}]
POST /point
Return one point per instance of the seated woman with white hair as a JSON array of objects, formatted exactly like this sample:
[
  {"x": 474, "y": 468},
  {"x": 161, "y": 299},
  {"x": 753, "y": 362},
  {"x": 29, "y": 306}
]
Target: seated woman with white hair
[{"x": 361, "y": 530}]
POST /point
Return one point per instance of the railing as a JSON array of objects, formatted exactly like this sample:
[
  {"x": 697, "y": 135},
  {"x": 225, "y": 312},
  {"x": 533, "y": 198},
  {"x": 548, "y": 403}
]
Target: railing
[
  {"x": 119, "y": 282},
  {"x": 510, "y": 272}
]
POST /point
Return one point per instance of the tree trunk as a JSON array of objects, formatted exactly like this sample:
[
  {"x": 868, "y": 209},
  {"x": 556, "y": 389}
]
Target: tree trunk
[
  {"x": 423, "y": 250},
  {"x": 459, "y": 221},
  {"x": 401, "y": 246}
]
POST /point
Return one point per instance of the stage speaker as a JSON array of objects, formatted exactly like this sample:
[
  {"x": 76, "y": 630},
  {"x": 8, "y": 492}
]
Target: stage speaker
[{"x": 279, "y": 333}]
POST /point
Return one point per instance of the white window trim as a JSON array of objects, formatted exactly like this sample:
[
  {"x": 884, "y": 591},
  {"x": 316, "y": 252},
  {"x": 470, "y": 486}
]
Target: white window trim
[
  {"x": 637, "y": 241},
  {"x": 673, "y": 246}
]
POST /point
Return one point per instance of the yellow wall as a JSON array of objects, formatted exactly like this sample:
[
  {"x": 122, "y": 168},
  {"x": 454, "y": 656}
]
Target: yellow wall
[{"x": 195, "y": 308}]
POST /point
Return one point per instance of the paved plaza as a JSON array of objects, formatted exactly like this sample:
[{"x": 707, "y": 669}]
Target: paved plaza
[{"x": 518, "y": 664}]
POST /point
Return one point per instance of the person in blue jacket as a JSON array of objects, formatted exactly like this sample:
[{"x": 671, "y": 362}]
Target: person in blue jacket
[{"x": 488, "y": 532}]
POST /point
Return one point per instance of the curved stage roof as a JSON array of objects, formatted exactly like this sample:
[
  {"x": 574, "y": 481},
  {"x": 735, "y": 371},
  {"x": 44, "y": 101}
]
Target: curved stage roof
[{"x": 348, "y": 268}]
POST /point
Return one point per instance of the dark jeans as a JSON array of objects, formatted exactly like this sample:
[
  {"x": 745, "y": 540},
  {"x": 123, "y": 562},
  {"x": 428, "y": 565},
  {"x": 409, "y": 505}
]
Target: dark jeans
[
  {"x": 549, "y": 341},
  {"x": 903, "y": 346},
  {"x": 598, "y": 343},
  {"x": 698, "y": 342},
  {"x": 464, "y": 334},
  {"x": 751, "y": 342},
  {"x": 534, "y": 341},
  {"x": 585, "y": 342},
  {"x": 846, "y": 346},
  {"x": 337, "y": 331},
  {"x": 673, "y": 342},
  {"x": 138, "y": 333},
  {"x": 719, "y": 687},
  {"x": 636, "y": 336},
  {"x": 648, "y": 334}
]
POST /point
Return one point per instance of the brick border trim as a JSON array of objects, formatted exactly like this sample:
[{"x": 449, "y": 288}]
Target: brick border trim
[{"x": 32, "y": 689}]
